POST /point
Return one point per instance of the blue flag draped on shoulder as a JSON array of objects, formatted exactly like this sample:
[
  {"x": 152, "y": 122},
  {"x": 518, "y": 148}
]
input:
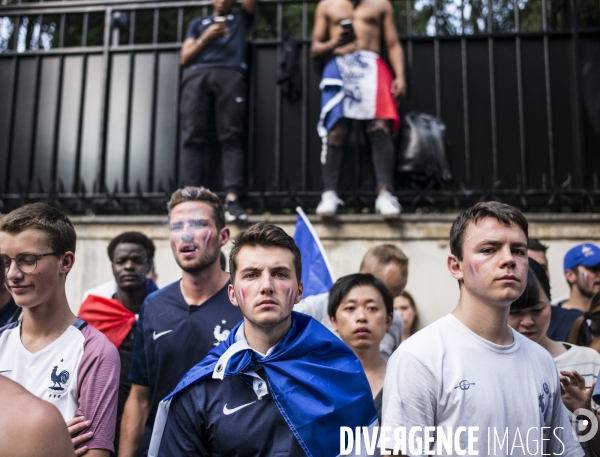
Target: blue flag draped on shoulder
[{"x": 316, "y": 271}]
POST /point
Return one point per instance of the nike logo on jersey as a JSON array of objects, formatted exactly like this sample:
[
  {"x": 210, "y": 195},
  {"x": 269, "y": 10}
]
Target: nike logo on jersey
[
  {"x": 158, "y": 335},
  {"x": 228, "y": 411},
  {"x": 5, "y": 371}
]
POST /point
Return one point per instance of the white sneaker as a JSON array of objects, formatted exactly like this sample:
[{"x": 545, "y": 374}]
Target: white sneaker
[
  {"x": 329, "y": 203},
  {"x": 387, "y": 205}
]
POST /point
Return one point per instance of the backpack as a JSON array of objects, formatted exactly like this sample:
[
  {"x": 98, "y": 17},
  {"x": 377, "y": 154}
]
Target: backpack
[
  {"x": 423, "y": 149},
  {"x": 290, "y": 78}
]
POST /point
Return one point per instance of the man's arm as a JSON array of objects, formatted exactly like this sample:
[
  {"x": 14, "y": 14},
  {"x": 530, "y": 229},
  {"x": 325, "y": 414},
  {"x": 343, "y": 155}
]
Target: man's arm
[
  {"x": 322, "y": 45},
  {"x": 98, "y": 391},
  {"x": 395, "y": 53},
  {"x": 249, "y": 6},
  {"x": 134, "y": 419},
  {"x": 193, "y": 47}
]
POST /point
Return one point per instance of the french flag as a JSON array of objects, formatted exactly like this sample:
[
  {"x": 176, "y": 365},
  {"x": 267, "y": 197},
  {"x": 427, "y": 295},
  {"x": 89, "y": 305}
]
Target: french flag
[
  {"x": 316, "y": 270},
  {"x": 356, "y": 86}
]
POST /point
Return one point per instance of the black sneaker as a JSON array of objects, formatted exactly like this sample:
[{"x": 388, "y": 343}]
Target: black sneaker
[{"x": 234, "y": 211}]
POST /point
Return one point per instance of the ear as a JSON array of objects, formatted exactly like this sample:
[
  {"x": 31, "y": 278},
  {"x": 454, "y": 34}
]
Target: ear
[
  {"x": 570, "y": 276},
  {"x": 232, "y": 296},
  {"x": 455, "y": 267},
  {"x": 300, "y": 293},
  {"x": 333, "y": 323},
  {"x": 66, "y": 262},
  {"x": 224, "y": 235}
]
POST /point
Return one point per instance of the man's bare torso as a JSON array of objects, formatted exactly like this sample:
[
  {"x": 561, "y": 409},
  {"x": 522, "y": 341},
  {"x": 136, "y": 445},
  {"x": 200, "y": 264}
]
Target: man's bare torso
[{"x": 367, "y": 21}]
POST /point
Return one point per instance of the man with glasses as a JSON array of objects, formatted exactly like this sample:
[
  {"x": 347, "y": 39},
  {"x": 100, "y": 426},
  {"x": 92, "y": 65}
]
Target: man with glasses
[{"x": 52, "y": 353}]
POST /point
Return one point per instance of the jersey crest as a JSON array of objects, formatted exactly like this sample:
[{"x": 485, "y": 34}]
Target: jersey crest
[{"x": 59, "y": 382}]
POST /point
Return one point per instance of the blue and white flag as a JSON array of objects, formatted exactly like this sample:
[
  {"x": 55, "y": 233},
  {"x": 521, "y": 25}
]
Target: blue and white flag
[{"x": 316, "y": 270}]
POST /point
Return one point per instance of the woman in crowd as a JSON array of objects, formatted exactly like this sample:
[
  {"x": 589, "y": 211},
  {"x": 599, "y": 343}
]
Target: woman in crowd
[
  {"x": 580, "y": 333},
  {"x": 405, "y": 305},
  {"x": 361, "y": 309},
  {"x": 578, "y": 365}
]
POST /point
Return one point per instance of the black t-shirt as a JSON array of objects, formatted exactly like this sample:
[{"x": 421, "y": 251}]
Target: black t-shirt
[
  {"x": 171, "y": 337},
  {"x": 224, "y": 418},
  {"x": 229, "y": 51}
]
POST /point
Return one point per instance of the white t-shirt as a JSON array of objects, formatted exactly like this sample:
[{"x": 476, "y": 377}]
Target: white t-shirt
[{"x": 447, "y": 376}]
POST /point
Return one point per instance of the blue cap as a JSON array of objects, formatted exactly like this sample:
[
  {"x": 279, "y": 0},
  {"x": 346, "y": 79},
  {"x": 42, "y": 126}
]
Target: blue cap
[{"x": 587, "y": 254}]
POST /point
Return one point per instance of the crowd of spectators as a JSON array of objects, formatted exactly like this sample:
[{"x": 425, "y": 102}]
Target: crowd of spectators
[{"x": 148, "y": 371}]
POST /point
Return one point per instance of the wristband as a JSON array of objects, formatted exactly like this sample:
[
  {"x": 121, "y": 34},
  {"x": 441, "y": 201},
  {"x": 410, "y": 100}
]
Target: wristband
[{"x": 199, "y": 41}]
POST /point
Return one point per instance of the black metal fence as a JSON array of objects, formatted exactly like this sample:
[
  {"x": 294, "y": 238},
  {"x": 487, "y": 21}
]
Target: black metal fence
[{"x": 89, "y": 103}]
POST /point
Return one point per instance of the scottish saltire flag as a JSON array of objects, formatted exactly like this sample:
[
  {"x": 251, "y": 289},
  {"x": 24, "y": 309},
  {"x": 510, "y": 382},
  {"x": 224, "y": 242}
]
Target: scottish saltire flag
[
  {"x": 356, "y": 86},
  {"x": 316, "y": 271}
]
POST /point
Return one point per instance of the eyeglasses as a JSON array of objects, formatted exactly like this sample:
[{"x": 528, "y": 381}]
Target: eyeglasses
[{"x": 27, "y": 263}]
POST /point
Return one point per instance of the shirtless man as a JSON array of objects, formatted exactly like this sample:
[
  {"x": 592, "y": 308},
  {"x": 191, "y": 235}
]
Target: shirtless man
[{"x": 355, "y": 30}]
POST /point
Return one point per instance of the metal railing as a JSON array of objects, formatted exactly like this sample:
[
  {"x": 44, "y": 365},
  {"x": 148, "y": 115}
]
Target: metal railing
[{"x": 90, "y": 92}]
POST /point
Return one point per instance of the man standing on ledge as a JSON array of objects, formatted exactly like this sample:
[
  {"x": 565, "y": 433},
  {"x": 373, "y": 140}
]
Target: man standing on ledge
[
  {"x": 281, "y": 384},
  {"x": 215, "y": 52},
  {"x": 357, "y": 84}
]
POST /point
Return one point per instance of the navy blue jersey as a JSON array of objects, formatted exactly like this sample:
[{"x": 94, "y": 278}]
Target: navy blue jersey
[
  {"x": 224, "y": 418},
  {"x": 561, "y": 321},
  {"x": 9, "y": 313},
  {"x": 171, "y": 337},
  {"x": 229, "y": 51}
]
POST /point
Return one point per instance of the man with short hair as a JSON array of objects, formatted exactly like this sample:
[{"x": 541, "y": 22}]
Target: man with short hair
[
  {"x": 361, "y": 309},
  {"x": 386, "y": 262},
  {"x": 131, "y": 256},
  {"x": 582, "y": 272},
  {"x": 179, "y": 324},
  {"x": 472, "y": 368},
  {"x": 214, "y": 51},
  {"x": 358, "y": 85},
  {"x": 281, "y": 384},
  {"x": 52, "y": 353}
]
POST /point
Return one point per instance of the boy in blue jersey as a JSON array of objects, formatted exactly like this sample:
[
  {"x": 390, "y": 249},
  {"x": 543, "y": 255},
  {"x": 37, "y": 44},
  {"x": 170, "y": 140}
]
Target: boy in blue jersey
[
  {"x": 281, "y": 384},
  {"x": 179, "y": 324}
]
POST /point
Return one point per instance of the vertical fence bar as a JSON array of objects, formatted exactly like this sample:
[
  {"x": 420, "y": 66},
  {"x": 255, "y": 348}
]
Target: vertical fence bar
[
  {"x": 101, "y": 185},
  {"x": 436, "y": 59},
  {"x": 11, "y": 116},
  {"x": 578, "y": 171},
  {"x": 55, "y": 178},
  {"x": 465, "y": 90},
  {"x": 125, "y": 187},
  {"x": 77, "y": 181},
  {"x": 131, "y": 27},
  {"x": 492, "y": 93},
  {"x": 304, "y": 133},
  {"x": 523, "y": 182},
  {"x": 61, "y": 35},
  {"x": 409, "y": 47},
  {"x": 179, "y": 25},
  {"x": 84, "y": 32},
  {"x": 277, "y": 180},
  {"x": 152, "y": 133},
  {"x": 36, "y": 104},
  {"x": 180, "y": 33},
  {"x": 548, "y": 88}
]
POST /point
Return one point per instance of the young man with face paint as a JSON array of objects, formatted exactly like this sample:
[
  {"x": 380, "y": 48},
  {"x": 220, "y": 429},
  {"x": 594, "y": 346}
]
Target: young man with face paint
[
  {"x": 281, "y": 384},
  {"x": 469, "y": 368},
  {"x": 179, "y": 324},
  {"x": 582, "y": 272}
]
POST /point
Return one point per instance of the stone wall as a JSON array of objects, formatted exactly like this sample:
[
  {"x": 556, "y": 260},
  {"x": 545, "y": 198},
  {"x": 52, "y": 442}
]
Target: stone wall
[{"x": 424, "y": 239}]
